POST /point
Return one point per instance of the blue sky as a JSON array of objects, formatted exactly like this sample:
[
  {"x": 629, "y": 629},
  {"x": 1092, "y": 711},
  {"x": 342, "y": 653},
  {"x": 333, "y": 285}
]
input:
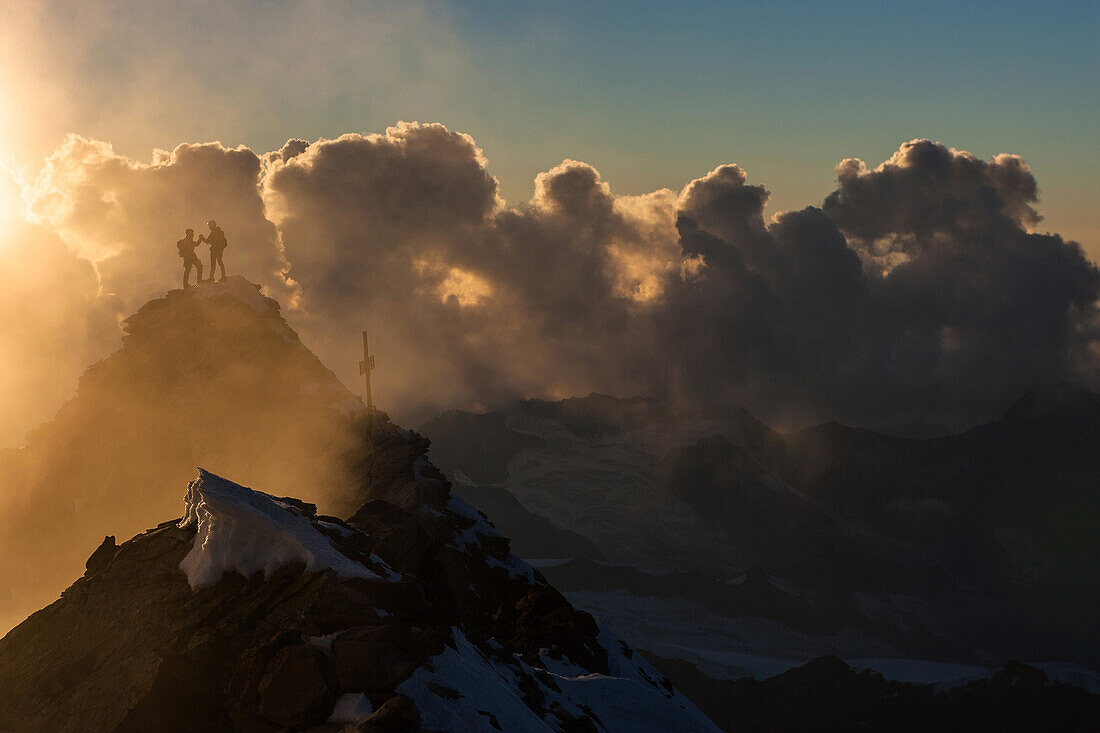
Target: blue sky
[{"x": 652, "y": 94}]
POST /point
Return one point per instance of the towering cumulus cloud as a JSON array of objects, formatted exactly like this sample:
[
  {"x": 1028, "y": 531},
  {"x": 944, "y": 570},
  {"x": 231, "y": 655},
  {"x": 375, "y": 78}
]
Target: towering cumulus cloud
[
  {"x": 404, "y": 233},
  {"x": 969, "y": 306},
  {"x": 917, "y": 298},
  {"x": 126, "y": 215},
  {"x": 914, "y": 299}
]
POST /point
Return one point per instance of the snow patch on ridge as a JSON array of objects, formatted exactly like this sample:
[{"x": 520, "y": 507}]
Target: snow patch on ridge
[
  {"x": 350, "y": 708},
  {"x": 464, "y": 689},
  {"x": 480, "y": 526},
  {"x": 246, "y": 531},
  {"x": 471, "y": 536}
]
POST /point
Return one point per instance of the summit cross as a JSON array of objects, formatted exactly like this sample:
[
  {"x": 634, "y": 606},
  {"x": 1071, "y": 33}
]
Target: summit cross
[{"x": 366, "y": 366}]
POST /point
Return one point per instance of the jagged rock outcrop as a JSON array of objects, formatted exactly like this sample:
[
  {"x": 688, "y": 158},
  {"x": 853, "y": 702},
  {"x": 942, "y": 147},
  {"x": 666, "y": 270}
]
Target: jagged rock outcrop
[{"x": 257, "y": 614}]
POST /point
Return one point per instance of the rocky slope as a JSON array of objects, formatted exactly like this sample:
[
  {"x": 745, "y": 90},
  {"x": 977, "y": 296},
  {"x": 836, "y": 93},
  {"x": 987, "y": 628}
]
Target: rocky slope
[{"x": 254, "y": 611}]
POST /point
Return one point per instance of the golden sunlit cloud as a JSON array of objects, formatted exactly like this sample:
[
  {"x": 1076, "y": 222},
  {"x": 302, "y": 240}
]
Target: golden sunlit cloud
[
  {"x": 576, "y": 290},
  {"x": 465, "y": 287},
  {"x": 641, "y": 275}
]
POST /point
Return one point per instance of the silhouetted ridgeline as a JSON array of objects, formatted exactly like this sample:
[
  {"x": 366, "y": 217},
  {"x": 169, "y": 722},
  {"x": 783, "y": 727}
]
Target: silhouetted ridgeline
[{"x": 211, "y": 376}]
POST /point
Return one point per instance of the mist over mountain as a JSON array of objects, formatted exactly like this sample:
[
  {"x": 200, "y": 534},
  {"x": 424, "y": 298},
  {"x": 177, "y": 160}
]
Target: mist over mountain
[
  {"x": 364, "y": 589},
  {"x": 919, "y": 297},
  {"x": 578, "y": 367},
  {"x": 209, "y": 376},
  {"x": 741, "y": 550}
]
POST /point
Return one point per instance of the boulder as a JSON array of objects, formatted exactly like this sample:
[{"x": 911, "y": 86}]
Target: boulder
[
  {"x": 368, "y": 659},
  {"x": 398, "y": 535},
  {"x": 298, "y": 687},
  {"x": 103, "y": 555}
]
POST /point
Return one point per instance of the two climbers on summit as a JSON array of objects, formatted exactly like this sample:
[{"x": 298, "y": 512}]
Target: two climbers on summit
[{"x": 186, "y": 246}]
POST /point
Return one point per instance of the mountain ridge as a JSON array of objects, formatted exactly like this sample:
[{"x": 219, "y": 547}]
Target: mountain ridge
[
  {"x": 212, "y": 376},
  {"x": 256, "y": 612},
  {"x": 976, "y": 541}
]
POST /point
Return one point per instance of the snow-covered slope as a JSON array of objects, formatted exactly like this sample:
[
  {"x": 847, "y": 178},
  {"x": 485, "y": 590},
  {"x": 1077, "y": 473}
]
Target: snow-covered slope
[
  {"x": 463, "y": 688},
  {"x": 253, "y": 612},
  {"x": 244, "y": 531},
  {"x": 466, "y": 689}
]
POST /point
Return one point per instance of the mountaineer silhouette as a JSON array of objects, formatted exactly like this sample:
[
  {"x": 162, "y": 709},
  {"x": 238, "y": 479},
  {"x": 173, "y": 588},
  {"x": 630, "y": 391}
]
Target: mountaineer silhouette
[
  {"x": 186, "y": 247},
  {"x": 216, "y": 240}
]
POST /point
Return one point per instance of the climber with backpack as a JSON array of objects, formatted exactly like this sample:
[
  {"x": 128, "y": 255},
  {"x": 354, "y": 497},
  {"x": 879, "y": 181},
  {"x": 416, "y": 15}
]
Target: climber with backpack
[
  {"x": 186, "y": 247},
  {"x": 216, "y": 240}
]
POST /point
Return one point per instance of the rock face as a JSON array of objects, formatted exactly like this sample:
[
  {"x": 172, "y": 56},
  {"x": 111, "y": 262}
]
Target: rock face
[
  {"x": 298, "y": 687},
  {"x": 401, "y": 632},
  {"x": 256, "y": 613}
]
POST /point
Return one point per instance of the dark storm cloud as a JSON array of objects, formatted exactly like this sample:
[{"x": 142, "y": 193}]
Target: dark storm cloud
[
  {"x": 770, "y": 323},
  {"x": 926, "y": 188},
  {"x": 372, "y": 222},
  {"x": 915, "y": 300},
  {"x": 971, "y": 307}
]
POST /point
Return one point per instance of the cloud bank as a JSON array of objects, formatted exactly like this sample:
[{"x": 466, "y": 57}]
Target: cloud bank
[{"x": 916, "y": 298}]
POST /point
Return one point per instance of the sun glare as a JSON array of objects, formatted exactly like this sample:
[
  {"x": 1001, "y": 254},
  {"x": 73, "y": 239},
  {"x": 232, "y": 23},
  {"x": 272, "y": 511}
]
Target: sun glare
[{"x": 10, "y": 205}]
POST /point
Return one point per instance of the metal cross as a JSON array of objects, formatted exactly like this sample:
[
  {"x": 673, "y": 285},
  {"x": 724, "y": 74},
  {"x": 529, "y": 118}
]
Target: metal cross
[{"x": 365, "y": 368}]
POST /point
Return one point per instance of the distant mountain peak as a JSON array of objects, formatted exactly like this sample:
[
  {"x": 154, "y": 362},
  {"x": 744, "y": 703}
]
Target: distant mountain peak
[{"x": 1047, "y": 400}]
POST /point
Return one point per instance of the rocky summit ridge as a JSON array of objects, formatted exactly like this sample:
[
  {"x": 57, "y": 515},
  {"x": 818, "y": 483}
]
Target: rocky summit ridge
[
  {"x": 256, "y": 612},
  {"x": 211, "y": 376}
]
